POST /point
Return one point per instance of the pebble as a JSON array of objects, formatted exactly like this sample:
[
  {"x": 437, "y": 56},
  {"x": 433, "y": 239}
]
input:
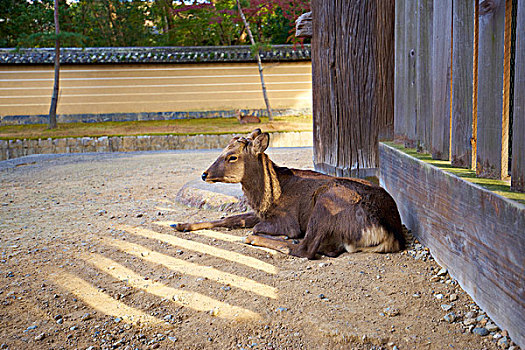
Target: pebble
[
  {"x": 503, "y": 342},
  {"x": 41, "y": 336},
  {"x": 390, "y": 311},
  {"x": 471, "y": 314},
  {"x": 469, "y": 321},
  {"x": 281, "y": 309},
  {"x": 32, "y": 327},
  {"x": 173, "y": 339},
  {"x": 450, "y": 317},
  {"x": 446, "y": 307},
  {"x": 168, "y": 317},
  {"x": 74, "y": 328},
  {"x": 442, "y": 272},
  {"x": 439, "y": 296},
  {"x": 480, "y": 331},
  {"x": 453, "y": 297},
  {"x": 86, "y": 316},
  {"x": 491, "y": 327}
]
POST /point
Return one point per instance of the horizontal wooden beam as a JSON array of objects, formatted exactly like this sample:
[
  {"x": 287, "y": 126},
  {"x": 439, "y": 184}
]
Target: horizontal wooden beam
[{"x": 474, "y": 233}]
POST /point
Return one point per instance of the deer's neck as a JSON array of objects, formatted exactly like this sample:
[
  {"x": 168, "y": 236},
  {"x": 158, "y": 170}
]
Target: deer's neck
[{"x": 261, "y": 185}]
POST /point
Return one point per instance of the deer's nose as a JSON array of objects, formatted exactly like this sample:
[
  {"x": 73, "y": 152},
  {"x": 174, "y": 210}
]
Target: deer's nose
[{"x": 204, "y": 176}]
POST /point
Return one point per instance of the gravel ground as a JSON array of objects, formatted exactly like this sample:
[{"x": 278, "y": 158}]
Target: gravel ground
[{"x": 88, "y": 261}]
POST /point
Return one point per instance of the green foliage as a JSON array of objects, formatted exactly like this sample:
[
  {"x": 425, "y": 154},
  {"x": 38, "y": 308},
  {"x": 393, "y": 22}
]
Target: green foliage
[{"x": 100, "y": 23}]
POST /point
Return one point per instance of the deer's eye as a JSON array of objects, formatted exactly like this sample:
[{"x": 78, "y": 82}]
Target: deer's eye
[{"x": 232, "y": 159}]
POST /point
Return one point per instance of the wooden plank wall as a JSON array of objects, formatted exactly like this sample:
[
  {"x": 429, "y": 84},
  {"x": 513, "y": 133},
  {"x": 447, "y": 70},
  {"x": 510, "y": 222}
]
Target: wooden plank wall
[
  {"x": 462, "y": 83},
  {"x": 423, "y": 74},
  {"x": 491, "y": 149},
  {"x": 441, "y": 76},
  {"x": 474, "y": 233},
  {"x": 138, "y": 88},
  {"x": 470, "y": 58},
  {"x": 518, "y": 137}
]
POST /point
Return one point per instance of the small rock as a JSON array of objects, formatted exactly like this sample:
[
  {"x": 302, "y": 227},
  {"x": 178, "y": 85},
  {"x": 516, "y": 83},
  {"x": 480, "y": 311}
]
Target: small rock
[
  {"x": 435, "y": 279},
  {"x": 323, "y": 264},
  {"x": 491, "y": 327},
  {"x": 321, "y": 296},
  {"x": 480, "y": 331},
  {"x": 117, "y": 319},
  {"x": 60, "y": 321},
  {"x": 168, "y": 317},
  {"x": 74, "y": 328},
  {"x": 446, "y": 307},
  {"x": 57, "y": 317},
  {"x": 450, "y": 317},
  {"x": 173, "y": 339},
  {"x": 390, "y": 311},
  {"x": 453, "y": 297},
  {"x": 41, "y": 336},
  {"x": 85, "y": 317},
  {"x": 469, "y": 321},
  {"x": 226, "y": 288},
  {"x": 281, "y": 309},
  {"x": 442, "y": 272},
  {"x": 439, "y": 296},
  {"x": 471, "y": 314},
  {"x": 32, "y": 327},
  {"x": 503, "y": 342},
  {"x": 416, "y": 295}
]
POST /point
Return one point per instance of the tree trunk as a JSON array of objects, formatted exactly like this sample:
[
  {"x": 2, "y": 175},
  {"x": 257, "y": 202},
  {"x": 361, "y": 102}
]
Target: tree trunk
[
  {"x": 263, "y": 85},
  {"x": 352, "y": 78},
  {"x": 54, "y": 99}
]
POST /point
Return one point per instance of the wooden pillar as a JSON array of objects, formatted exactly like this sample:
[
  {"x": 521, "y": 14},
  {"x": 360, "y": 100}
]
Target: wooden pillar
[
  {"x": 423, "y": 75},
  {"x": 441, "y": 78},
  {"x": 492, "y": 138},
  {"x": 348, "y": 86},
  {"x": 462, "y": 83},
  {"x": 518, "y": 130}
]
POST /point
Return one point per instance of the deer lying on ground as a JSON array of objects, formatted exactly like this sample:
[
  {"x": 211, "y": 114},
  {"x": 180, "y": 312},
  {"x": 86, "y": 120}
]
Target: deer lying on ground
[
  {"x": 331, "y": 214},
  {"x": 246, "y": 118}
]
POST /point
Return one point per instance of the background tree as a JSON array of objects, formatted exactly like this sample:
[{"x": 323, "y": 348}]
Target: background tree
[
  {"x": 54, "y": 98},
  {"x": 99, "y": 23}
]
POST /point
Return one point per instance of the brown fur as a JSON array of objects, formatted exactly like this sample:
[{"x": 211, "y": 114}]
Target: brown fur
[
  {"x": 246, "y": 118},
  {"x": 331, "y": 215}
]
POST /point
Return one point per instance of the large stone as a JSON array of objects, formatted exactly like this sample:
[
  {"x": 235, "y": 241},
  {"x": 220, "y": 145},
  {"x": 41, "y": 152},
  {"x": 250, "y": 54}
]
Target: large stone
[{"x": 217, "y": 196}]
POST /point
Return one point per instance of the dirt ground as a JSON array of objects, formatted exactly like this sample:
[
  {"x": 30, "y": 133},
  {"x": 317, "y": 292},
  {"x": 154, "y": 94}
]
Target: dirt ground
[{"x": 88, "y": 261}]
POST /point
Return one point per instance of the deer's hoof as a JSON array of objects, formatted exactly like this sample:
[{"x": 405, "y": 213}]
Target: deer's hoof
[{"x": 181, "y": 227}]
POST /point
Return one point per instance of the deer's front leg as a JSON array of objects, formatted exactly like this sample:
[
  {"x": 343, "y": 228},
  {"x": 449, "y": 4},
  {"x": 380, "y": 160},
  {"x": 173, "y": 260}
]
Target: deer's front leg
[
  {"x": 236, "y": 221},
  {"x": 267, "y": 242}
]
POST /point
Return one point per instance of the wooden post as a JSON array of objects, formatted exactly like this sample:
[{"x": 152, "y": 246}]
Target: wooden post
[
  {"x": 346, "y": 85},
  {"x": 423, "y": 76},
  {"x": 400, "y": 79},
  {"x": 441, "y": 78},
  {"x": 492, "y": 145},
  {"x": 411, "y": 50},
  {"x": 518, "y": 127},
  {"x": 462, "y": 83}
]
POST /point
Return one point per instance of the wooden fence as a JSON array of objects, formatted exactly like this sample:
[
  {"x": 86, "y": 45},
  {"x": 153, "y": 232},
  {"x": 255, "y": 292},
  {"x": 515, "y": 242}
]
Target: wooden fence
[{"x": 454, "y": 79}]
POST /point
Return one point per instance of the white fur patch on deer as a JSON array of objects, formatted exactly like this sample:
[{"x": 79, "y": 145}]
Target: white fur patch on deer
[{"x": 328, "y": 215}]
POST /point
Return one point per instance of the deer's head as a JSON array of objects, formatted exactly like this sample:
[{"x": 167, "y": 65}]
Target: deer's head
[{"x": 241, "y": 152}]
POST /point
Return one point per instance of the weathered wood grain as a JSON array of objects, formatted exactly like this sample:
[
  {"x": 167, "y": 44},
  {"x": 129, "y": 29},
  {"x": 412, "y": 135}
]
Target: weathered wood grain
[
  {"x": 462, "y": 83},
  {"x": 400, "y": 81},
  {"x": 490, "y": 147},
  {"x": 411, "y": 52},
  {"x": 518, "y": 132},
  {"x": 474, "y": 233},
  {"x": 349, "y": 80},
  {"x": 423, "y": 75},
  {"x": 441, "y": 78},
  {"x": 384, "y": 36}
]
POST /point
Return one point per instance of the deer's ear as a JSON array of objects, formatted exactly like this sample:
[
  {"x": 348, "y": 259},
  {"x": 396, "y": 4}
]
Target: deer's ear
[
  {"x": 254, "y": 134},
  {"x": 260, "y": 143}
]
